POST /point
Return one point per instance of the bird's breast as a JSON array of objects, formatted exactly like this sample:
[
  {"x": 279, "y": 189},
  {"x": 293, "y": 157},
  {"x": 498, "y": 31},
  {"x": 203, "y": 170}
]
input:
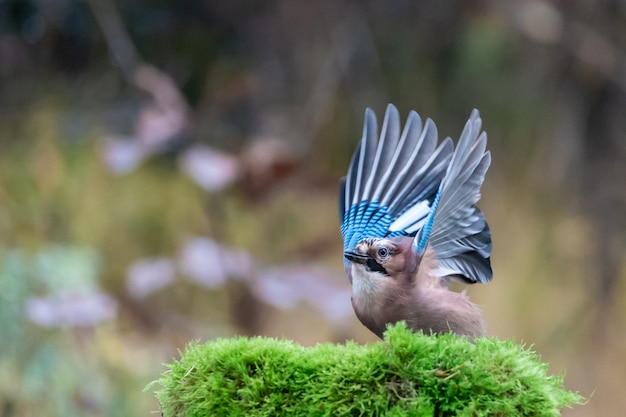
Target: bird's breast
[
  {"x": 366, "y": 285},
  {"x": 368, "y": 295}
]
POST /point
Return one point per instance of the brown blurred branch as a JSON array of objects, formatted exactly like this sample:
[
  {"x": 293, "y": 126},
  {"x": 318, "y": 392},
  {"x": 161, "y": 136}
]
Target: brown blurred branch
[
  {"x": 168, "y": 117},
  {"x": 137, "y": 72},
  {"x": 345, "y": 34},
  {"x": 118, "y": 40}
]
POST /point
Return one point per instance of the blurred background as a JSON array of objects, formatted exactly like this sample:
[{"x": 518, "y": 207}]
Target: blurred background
[{"x": 169, "y": 171}]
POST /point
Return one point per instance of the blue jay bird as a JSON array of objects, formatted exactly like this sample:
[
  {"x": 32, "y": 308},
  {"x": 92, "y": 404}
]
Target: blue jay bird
[{"x": 410, "y": 225}]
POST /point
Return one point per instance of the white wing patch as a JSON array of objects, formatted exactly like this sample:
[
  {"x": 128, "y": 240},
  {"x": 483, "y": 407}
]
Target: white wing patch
[{"x": 412, "y": 217}]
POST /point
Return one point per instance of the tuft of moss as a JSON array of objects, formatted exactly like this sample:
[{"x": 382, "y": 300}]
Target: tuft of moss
[{"x": 406, "y": 374}]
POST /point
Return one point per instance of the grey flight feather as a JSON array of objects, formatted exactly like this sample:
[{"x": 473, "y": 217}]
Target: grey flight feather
[
  {"x": 460, "y": 236},
  {"x": 389, "y": 137},
  {"x": 362, "y": 160}
]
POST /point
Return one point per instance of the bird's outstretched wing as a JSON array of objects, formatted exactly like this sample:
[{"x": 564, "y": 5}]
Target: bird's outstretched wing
[
  {"x": 392, "y": 180},
  {"x": 456, "y": 229}
]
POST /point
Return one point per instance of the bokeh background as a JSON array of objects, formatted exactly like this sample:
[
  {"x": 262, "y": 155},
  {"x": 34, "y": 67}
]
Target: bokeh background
[{"x": 169, "y": 171}]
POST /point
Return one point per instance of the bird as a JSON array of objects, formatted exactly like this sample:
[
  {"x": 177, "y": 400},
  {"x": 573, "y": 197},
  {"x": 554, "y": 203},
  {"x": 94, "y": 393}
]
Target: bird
[{"x": 410, "y": 225}]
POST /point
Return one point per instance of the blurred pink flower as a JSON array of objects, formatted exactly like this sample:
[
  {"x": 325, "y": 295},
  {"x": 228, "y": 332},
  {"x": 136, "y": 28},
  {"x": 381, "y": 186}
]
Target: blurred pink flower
[
  {"x": 274, "y": 286},
  {"x": 146, "y": 276},
  {"x": 237, "y": 264},
  {"x": 200, "y": 260},
  {"x": 86, "y": 309},
  {"x": 156, "y": 126},
  {"x": 121, "y": 155},
  {"x": 167, "y": 116},
  {"x": 210, "y": 264},
  {"x": 284, "y": 287},
  {"x": 323, "y": 292},
  {"x": 210, "y": 169}
]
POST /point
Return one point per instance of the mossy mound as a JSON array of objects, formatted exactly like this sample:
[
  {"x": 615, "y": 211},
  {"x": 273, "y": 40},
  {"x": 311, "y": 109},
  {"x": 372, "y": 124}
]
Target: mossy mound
[{"x": 406, "y": 374}]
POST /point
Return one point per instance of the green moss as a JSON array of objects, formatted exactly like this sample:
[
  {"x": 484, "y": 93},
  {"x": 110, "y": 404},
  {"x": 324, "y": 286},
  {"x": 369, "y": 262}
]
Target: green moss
[{"x": 407, "y": 374}]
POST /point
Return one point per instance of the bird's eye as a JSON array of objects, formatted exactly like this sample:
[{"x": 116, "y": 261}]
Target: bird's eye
[{"x": 383, "y": 252}]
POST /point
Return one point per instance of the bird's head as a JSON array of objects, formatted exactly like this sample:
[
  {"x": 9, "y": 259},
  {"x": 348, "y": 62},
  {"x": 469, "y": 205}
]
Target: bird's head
[{"x": 383, "y": 258}]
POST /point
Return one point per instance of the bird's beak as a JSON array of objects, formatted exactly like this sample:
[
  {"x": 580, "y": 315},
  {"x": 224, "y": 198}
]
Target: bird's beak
[{"x": 354, "y": 256}]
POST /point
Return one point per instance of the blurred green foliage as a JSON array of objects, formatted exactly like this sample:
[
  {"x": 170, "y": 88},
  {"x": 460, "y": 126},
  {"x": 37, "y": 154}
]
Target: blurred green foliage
[
  {"x": 51, "y": 365},
  {"x": 53, "y": 193}
]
